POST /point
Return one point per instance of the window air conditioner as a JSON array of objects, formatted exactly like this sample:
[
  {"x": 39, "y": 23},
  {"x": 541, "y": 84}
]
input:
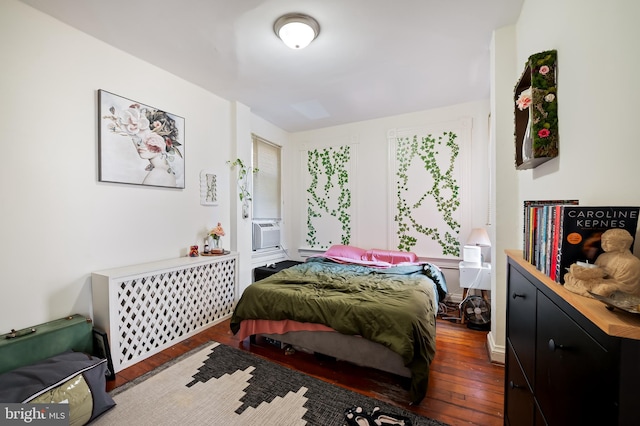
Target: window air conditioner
[{"x": 266, "y": 235}]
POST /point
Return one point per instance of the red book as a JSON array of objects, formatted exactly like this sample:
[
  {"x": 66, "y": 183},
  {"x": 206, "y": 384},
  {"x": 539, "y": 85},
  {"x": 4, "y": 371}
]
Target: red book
[{"x": 557, "y": 214}]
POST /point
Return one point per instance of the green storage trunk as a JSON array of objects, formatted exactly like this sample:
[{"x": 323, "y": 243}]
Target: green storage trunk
[{"x": 33, "y": 344}]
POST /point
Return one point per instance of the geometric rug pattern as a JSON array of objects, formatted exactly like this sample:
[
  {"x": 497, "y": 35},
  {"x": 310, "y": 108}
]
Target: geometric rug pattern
[{"x": 221, "y": 385}]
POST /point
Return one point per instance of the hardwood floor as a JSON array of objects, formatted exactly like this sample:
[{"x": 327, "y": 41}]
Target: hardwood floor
[{"x": 465, "y": 388}]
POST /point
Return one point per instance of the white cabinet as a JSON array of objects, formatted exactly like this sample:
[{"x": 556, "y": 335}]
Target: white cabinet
[{"x": 149, "y": 307}]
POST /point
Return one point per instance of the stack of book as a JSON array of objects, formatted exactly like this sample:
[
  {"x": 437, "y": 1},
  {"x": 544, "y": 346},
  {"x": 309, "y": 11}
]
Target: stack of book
[{"x": 559, "y": 233}]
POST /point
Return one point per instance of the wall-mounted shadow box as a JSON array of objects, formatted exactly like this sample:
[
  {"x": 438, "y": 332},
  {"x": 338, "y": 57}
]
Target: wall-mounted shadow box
[{"x": 536, "y": 111}]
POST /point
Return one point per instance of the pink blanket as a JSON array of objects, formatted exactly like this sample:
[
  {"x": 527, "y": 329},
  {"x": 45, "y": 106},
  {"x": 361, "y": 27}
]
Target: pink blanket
[{"x": 250, "y": 327}]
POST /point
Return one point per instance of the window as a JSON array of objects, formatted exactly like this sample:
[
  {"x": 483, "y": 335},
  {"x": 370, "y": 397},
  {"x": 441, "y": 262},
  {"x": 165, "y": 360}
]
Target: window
[{"x": 266, "y": 183}]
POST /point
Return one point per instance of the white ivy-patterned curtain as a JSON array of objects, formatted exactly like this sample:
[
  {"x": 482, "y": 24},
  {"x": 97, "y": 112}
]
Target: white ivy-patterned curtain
[
  {"x": 427, "y": 174},
  {"x": 329, "y": 193}
]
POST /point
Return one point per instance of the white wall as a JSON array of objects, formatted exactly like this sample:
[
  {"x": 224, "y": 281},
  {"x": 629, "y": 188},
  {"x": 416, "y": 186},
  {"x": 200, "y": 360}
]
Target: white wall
[
  {"x": 371, "y": 218},
  {"x": 58, "y": 222},
  {"x": 598, "y": 59},
  {"x": 505, "y": 211}
]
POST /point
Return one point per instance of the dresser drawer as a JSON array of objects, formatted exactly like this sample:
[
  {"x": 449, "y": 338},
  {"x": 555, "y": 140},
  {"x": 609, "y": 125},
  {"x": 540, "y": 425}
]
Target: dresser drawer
[
  {"x": 571, "y": 364},
  {"x": 518, "y": 397},
  {"x": 521, "y": 320}
]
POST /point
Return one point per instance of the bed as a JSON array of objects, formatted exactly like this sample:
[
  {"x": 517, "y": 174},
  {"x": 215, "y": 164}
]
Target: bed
[{"x": 376, "y": 308}]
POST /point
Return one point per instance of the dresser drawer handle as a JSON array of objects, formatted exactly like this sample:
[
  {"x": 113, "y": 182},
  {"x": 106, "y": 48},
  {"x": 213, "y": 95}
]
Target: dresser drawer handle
[
  {"x": 553, "y": 345},
  {"x": 516, "y": 295},
  {"x": 514, "y": 386}
]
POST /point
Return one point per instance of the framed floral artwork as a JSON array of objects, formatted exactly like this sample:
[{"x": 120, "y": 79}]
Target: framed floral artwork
[
  {"x": 208, "y": 188},
  {"x": 139, "y": 144}
]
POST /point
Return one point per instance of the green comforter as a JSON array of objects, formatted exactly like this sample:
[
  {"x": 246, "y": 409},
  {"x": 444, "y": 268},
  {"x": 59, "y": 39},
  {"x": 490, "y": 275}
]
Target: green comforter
[{"x": 395, "y": 307}]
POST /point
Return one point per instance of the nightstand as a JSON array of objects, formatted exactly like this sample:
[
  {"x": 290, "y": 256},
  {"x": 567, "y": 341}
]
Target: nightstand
[
  {"x": 265, "y": 271},
  {"x": 475, "y": 277}
]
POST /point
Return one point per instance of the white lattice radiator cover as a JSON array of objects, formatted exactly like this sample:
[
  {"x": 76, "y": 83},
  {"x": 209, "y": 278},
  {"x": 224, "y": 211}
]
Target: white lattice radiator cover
[{"x": 147, "y": 308}]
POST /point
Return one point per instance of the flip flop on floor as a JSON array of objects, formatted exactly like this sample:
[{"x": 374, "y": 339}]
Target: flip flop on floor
[
  {"x": 357, "y": 417},
  {"x": 381, "y": 418}
]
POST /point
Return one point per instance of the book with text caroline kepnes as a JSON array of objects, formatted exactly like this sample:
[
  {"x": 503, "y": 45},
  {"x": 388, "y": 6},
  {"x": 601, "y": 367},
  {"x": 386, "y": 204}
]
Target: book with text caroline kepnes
[{"x": 581, "y": 228}]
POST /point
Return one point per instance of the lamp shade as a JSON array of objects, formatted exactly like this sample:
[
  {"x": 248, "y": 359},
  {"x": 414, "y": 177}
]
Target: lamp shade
[
  {"x": 296, "y": 30},
  {"x": 479, "y": 237}
]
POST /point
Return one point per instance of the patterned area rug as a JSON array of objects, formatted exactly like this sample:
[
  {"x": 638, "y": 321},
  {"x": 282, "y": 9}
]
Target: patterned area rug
[{"x": 221, "y": 385}]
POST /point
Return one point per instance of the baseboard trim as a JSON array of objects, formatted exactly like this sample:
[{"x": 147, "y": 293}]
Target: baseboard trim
[
  {"x": 497, "y": 353},
  {"x": 455, "y": 297}
]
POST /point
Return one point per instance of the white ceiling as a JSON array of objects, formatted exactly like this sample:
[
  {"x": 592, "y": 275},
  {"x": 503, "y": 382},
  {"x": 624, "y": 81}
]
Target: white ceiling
[{"x": 373, "y": 58}]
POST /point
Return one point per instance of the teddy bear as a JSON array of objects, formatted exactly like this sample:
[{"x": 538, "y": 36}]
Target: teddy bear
[{"x": 617, "y": 269}]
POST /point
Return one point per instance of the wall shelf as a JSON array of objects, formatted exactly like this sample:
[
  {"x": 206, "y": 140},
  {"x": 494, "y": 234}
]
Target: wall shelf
[{"x": 541, "y": 117}]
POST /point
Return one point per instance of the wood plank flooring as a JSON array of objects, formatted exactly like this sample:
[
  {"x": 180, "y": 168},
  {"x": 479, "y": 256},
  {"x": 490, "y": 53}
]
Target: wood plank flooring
[{"x": 465, "y": 388}]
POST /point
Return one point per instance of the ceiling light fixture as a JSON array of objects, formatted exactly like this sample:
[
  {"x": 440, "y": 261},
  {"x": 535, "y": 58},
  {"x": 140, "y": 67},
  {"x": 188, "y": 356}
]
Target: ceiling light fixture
[{"x": 296, "y": 30}]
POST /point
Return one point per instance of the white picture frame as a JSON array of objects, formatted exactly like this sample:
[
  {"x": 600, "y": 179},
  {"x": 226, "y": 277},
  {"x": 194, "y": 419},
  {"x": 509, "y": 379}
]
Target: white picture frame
[{"x": 208, "y": 188}]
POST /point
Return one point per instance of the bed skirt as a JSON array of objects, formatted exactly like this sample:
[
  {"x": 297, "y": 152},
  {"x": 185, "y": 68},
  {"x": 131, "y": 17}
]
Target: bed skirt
[{"x": 318, "y": 338}]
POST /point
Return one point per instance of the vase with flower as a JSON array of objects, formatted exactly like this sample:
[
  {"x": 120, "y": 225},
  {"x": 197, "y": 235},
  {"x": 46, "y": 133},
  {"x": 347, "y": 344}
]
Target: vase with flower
[
  {"x": 524, "y": 103},
  {"x": 214, "y": 237}
]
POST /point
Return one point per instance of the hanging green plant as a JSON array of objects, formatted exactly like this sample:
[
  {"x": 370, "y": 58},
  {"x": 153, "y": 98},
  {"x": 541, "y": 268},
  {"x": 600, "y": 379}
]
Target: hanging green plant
[
  {"x": 329, "y": 164},
  {"x": 243, "y": 183},
  {"x": 443, "y": 194}
]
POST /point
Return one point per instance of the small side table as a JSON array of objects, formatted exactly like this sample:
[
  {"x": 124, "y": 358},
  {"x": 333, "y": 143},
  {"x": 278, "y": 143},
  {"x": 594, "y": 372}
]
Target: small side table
[{"x": 265, "y": 271}]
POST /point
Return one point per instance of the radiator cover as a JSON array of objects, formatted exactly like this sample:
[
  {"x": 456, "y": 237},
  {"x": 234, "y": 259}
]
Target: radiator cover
[{"x": 147, "y": 308}]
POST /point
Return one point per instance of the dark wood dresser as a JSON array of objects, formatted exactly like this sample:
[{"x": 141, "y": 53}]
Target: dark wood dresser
[{"x": 570, "y": 360}]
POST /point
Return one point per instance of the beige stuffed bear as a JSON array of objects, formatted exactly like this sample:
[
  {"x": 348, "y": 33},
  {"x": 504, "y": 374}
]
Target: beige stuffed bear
[{"x": 617, "y": 268}]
